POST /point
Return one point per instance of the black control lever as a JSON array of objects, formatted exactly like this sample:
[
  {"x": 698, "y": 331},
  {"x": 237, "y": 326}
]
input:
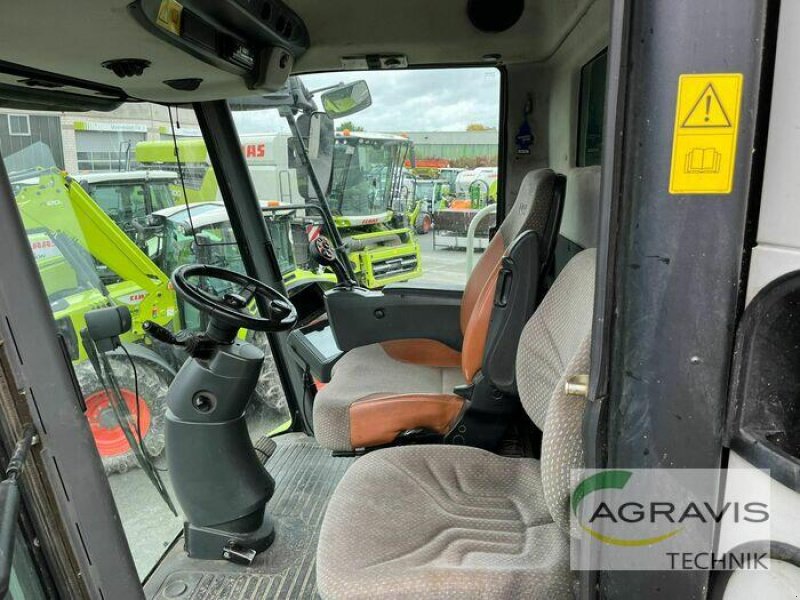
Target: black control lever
[
  {"x": 324, "y": 253},
  {"x": 162, "y": 334},
  {"x": 198, "y": 345}
]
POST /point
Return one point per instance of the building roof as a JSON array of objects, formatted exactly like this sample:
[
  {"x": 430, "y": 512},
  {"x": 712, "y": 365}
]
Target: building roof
[{"x": 456, "y": 138}]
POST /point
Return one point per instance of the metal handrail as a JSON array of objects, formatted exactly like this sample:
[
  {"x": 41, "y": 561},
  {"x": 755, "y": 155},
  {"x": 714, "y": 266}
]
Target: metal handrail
[{"x": 489, "y": 209}]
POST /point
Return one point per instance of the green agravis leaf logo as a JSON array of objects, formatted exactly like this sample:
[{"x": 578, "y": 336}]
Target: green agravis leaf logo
[{"x": 614, "y": 480}]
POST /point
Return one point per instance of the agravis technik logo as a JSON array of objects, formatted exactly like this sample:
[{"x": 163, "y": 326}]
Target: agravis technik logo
[
  {"x": 611, "y": 480},
  {"x": 667, "y": 519}
]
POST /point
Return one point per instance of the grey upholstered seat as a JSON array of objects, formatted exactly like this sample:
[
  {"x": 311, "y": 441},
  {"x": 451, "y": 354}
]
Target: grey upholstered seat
[
  {"x": 366, "y": 371},
  {"x": 455, "y": 522},
  {"x": 381, "y": 390}
]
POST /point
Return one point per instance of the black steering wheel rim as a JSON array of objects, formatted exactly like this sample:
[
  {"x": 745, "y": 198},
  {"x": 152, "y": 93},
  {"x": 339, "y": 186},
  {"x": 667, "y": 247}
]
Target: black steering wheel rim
[{"x": 282, "y": 313}]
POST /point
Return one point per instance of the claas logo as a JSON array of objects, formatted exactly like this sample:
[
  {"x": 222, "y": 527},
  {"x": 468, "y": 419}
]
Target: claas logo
[
  {"x": 254, "y": 150},
  {"x": 42, "y": 245}
]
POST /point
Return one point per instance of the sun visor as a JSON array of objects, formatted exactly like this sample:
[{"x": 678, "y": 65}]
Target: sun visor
[{"x": 258, "y": 40}]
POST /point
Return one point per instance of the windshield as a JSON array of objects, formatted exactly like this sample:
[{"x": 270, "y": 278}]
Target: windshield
[
  {"x": 110, "y": 233},
  {"x": 366, "y": 174}
]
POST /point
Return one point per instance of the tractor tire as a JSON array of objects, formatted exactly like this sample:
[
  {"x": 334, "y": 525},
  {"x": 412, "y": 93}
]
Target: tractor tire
[
  {"x": 424, "y": 224},
  {"x": 269, "y": 391},
  {"x": 153, "y": 383}
]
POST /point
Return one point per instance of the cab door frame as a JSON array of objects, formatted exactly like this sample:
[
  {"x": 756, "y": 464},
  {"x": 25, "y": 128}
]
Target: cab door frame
[
  {"x": 671, "y": 267},
  {"x": 66, "y": 483}
]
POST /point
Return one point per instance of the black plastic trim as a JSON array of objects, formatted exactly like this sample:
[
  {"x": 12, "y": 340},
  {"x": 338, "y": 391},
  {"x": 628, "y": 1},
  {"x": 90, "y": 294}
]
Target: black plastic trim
[
  {"x": 764, "y": 380},
  {"x": 360, "y": 316},
  {"x": 515, "y": 298},
  {"x": 314, "y": 356},
  {"x": 777, "y": 551},
  {"x": 62, "y": 80}
]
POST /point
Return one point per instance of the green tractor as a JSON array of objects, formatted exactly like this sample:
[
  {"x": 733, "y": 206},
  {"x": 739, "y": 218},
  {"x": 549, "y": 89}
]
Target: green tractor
[
  {"x": 88, "y": 261},
  {"x": 71, "y": 236}
]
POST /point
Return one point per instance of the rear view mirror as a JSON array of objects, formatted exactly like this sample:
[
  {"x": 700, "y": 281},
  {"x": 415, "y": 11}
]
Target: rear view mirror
[
  {"x": 346, "y": 99},
  {"x": 318, "y": 134}
]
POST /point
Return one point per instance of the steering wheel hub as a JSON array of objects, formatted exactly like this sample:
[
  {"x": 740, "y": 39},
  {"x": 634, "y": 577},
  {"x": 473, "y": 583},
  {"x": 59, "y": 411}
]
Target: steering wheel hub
[{"x": 234, "y": 310}]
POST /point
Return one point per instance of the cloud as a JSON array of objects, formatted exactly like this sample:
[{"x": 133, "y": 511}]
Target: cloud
[{"x": 408, "y": 100}]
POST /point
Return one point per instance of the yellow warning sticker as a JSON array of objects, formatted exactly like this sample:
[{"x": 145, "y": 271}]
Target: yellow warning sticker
[{"x": 706, "y": 128}]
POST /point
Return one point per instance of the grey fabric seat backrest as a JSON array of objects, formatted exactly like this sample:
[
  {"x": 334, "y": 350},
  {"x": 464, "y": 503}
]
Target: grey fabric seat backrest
[
  {"x": 553, "y": 347},
  {"x": 537, "y": 207}
]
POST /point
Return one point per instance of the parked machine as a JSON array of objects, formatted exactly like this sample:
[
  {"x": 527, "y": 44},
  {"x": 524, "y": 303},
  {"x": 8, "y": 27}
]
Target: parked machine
[
  {"x": 88, "y": 262},
  {"x": 474, "y": 191},
  {"x": 365, "y": 199},
  {"x": 427, "y": 191}
]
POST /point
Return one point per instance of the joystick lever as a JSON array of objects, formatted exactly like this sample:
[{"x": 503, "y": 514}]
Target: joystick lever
[{"x": 324, "y": 253}]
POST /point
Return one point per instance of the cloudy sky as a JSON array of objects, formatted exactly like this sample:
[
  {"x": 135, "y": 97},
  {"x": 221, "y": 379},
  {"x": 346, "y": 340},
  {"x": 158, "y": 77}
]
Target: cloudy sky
[{"x": 414, "y": 100}]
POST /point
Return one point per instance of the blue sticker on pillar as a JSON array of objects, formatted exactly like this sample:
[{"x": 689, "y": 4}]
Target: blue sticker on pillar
[{"x": 525, "y": 137}]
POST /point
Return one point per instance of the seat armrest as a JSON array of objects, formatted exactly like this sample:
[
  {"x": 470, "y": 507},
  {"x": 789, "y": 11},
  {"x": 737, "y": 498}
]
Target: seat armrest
[
  {"x": 360, "y": 317},
  {"x": 444, "y": 290}
]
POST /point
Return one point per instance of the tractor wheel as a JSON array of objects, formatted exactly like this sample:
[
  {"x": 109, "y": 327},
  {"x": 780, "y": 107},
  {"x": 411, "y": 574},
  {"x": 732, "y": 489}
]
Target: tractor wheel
[
  {"x": 269, "y": 392},
  {"x": 424, "y": 223},
  {"x": 109, "y": 438}
]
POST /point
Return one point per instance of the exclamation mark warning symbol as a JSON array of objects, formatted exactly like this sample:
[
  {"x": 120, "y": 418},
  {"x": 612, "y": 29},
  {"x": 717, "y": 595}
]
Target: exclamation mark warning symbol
[{"x": 707, "y": 111}]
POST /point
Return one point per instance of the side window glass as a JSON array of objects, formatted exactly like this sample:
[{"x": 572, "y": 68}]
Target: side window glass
[
  {"x": 410, "y": 176},
  {"x": 107, "y": 222},
  {"x": 591, "y": 109}
]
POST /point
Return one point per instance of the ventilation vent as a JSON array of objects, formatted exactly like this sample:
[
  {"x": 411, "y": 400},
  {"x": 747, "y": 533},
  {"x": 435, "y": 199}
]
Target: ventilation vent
[{"x": 127, "y": 67}]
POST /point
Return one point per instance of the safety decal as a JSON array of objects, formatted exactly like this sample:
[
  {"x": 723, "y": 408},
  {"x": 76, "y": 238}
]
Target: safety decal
[{"x": 706, "y": 128}]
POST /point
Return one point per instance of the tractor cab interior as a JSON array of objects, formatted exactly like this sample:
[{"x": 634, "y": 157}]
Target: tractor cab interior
[
  {"x": 409, "y": 390},
  {"x": 326, "y": 402}
]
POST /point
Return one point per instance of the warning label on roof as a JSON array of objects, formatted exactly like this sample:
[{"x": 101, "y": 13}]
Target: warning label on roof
[{"x": 706, "y": 128}]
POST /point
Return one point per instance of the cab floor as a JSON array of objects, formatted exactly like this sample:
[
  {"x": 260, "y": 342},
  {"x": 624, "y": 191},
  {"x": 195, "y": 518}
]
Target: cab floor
[{"x": 305, "y": 477}]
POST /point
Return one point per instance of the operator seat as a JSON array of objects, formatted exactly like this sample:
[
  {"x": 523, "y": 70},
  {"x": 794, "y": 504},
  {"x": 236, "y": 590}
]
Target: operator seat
[
  {"x": 381, "y": 390},
  {"x": 440, "y": 521}
]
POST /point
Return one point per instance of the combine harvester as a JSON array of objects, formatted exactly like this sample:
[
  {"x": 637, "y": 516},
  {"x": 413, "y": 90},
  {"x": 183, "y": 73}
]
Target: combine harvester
[{"x": 366, "y": 202}]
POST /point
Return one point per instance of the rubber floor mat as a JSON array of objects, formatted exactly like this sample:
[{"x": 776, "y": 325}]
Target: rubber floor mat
[{"x": 305, "y": 477}]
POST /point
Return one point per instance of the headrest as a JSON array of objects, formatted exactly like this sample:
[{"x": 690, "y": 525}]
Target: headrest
[
  {"x": 579, "y": 221},
  {"x": 531, "y": 209}
]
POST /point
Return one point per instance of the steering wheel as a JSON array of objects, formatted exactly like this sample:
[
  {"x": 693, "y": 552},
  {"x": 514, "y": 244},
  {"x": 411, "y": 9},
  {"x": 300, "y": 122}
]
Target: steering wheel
[{"x": 231, "y": 309}]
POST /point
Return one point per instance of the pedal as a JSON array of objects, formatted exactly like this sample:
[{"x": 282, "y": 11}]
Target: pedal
[
  {"x": 266, "y": 446},
  {"x": 238, "y": 555}
]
